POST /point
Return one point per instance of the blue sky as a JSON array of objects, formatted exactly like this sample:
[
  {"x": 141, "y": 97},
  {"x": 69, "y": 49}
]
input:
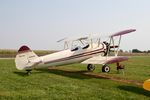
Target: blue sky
[{"x": 40, "y": 23}]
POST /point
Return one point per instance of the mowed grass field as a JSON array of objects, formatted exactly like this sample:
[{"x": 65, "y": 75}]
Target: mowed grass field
[{"x": 69, "y": 82}]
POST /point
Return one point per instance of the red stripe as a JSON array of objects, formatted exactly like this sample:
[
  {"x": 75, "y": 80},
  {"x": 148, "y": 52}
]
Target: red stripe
[
  {"x": 78, "y": 55},
  {"x": 69, "y": 58}
]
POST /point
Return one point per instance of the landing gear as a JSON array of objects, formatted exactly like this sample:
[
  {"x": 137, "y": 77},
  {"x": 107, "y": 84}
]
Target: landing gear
[
  {"x": 28, "y": 72},
  {"x": 105, "y": 68},
  {"x": 120, "y": 67},
  {"x": 90, "y": 67}
]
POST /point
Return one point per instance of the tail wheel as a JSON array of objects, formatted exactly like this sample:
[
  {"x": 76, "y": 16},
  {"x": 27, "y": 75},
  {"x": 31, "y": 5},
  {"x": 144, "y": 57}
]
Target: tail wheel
[
  {"x": 28, "y": 72},
  {"x": 90, "y": 67},
  {"x": 106, "y": 68}
]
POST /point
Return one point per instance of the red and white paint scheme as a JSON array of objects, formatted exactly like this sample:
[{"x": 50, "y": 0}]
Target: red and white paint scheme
[{"x": 85, "y": 52}]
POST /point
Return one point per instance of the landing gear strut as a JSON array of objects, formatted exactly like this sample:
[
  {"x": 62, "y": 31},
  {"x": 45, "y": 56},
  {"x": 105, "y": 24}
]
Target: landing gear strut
[
  {"x": 105, "y": 68},
  {"x": 90, "y": 67}
]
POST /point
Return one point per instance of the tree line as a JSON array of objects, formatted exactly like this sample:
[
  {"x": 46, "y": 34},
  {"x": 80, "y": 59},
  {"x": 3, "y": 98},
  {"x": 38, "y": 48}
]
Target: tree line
[{"x": 139, "y": 51}]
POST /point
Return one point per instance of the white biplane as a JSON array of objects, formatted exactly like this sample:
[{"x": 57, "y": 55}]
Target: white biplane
[{"x": 82, "y": 50}]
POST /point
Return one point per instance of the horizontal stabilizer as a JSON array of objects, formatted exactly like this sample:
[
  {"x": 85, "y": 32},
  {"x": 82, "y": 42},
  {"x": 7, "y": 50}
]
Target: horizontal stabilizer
[
  {"x": 123, "y": 32},
  {"x": 105, "y": 60}
]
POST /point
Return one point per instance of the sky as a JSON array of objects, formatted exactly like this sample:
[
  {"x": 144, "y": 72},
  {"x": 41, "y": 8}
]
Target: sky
[{"x": 40, "y": 23}]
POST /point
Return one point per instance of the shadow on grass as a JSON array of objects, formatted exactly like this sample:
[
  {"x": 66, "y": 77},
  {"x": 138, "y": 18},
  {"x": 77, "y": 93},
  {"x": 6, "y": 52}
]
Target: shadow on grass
[
  {"x": 71, "y": 74},
  {"x": 25, "y": 73},
  {"x": 135, "y": 89},
  {"x": 21, "y": 73},
  {"x": 65, "y": 73}
]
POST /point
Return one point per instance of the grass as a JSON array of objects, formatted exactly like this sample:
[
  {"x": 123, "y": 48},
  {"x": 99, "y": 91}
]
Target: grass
[
  {"x": 73, "y": 85},
  {"x": 137, "y": 68}
]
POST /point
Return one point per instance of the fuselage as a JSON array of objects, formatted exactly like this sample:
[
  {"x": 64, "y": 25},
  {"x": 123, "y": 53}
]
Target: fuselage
[{"x": 70, "y": 56}]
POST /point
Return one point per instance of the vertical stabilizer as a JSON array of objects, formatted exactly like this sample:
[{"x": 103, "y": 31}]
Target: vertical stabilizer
[{"x": 26, "y": 58}]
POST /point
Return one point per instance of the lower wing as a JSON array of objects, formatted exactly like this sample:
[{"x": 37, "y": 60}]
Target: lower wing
[{"x": 105, "y": 60}]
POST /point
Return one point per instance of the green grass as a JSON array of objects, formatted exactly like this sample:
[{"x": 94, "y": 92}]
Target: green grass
[
  {"x": 137, "y": 68},
  {"x": 73, "y": 85}
]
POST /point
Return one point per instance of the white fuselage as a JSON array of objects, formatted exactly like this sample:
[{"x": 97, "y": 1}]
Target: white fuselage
[{"x": 68, "y": 57}]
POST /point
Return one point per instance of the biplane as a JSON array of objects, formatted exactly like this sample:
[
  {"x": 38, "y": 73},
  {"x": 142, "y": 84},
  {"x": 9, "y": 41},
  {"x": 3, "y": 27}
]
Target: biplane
[{"x": 84, "y": 50}]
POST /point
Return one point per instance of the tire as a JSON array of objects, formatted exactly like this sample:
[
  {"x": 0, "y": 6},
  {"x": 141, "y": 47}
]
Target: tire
[
  {"x": 106, "y": 68},
  {"x": 90, "y": 67},
  {"x": 28, "y": 72}
]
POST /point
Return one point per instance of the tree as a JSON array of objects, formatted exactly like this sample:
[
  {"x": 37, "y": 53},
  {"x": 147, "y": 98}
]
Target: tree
[
  {"x": 121, "y": 50},
  {"x": 136, "y": 51},
  {"x": 148, "y": 51}
]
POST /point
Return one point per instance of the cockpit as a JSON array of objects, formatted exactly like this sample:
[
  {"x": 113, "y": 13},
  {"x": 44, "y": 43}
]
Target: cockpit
[
  {"x": 83, "y": 43},
  {"x": 80, "y": 44},
  {"x": 80, "y": 48}
]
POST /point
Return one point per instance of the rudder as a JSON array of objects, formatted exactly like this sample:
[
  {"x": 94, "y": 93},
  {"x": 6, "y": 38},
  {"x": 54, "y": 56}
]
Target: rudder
[{"x": 25, "y": 58}]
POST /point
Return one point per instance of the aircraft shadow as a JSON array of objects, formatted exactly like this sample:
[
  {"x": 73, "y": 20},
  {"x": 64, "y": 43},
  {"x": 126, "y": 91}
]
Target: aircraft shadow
[
  {"x": 71, "y": 74},
  {"x": 25, "y": 73},
  {"x": 20, "y": 73},
  {"x": 136, "y": 90}
]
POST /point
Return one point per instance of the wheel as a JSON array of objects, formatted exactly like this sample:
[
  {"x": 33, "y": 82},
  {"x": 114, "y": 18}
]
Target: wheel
[
  {"x": 90, "y": 67},
  {"x": 28, "y": 72},
  {"x": 106, "y": 68}
]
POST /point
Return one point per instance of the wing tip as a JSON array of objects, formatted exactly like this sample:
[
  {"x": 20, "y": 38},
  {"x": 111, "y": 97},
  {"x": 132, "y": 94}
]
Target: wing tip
[{"x": 123, "y": 32}]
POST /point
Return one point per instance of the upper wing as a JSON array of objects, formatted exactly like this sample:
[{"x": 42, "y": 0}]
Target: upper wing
[
  {"x": 123, "y": 32},
  {"x": 105, "y": 60}
]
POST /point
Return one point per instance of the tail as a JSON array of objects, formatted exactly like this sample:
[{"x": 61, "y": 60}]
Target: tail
[{"x": 26, "y": 59}]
